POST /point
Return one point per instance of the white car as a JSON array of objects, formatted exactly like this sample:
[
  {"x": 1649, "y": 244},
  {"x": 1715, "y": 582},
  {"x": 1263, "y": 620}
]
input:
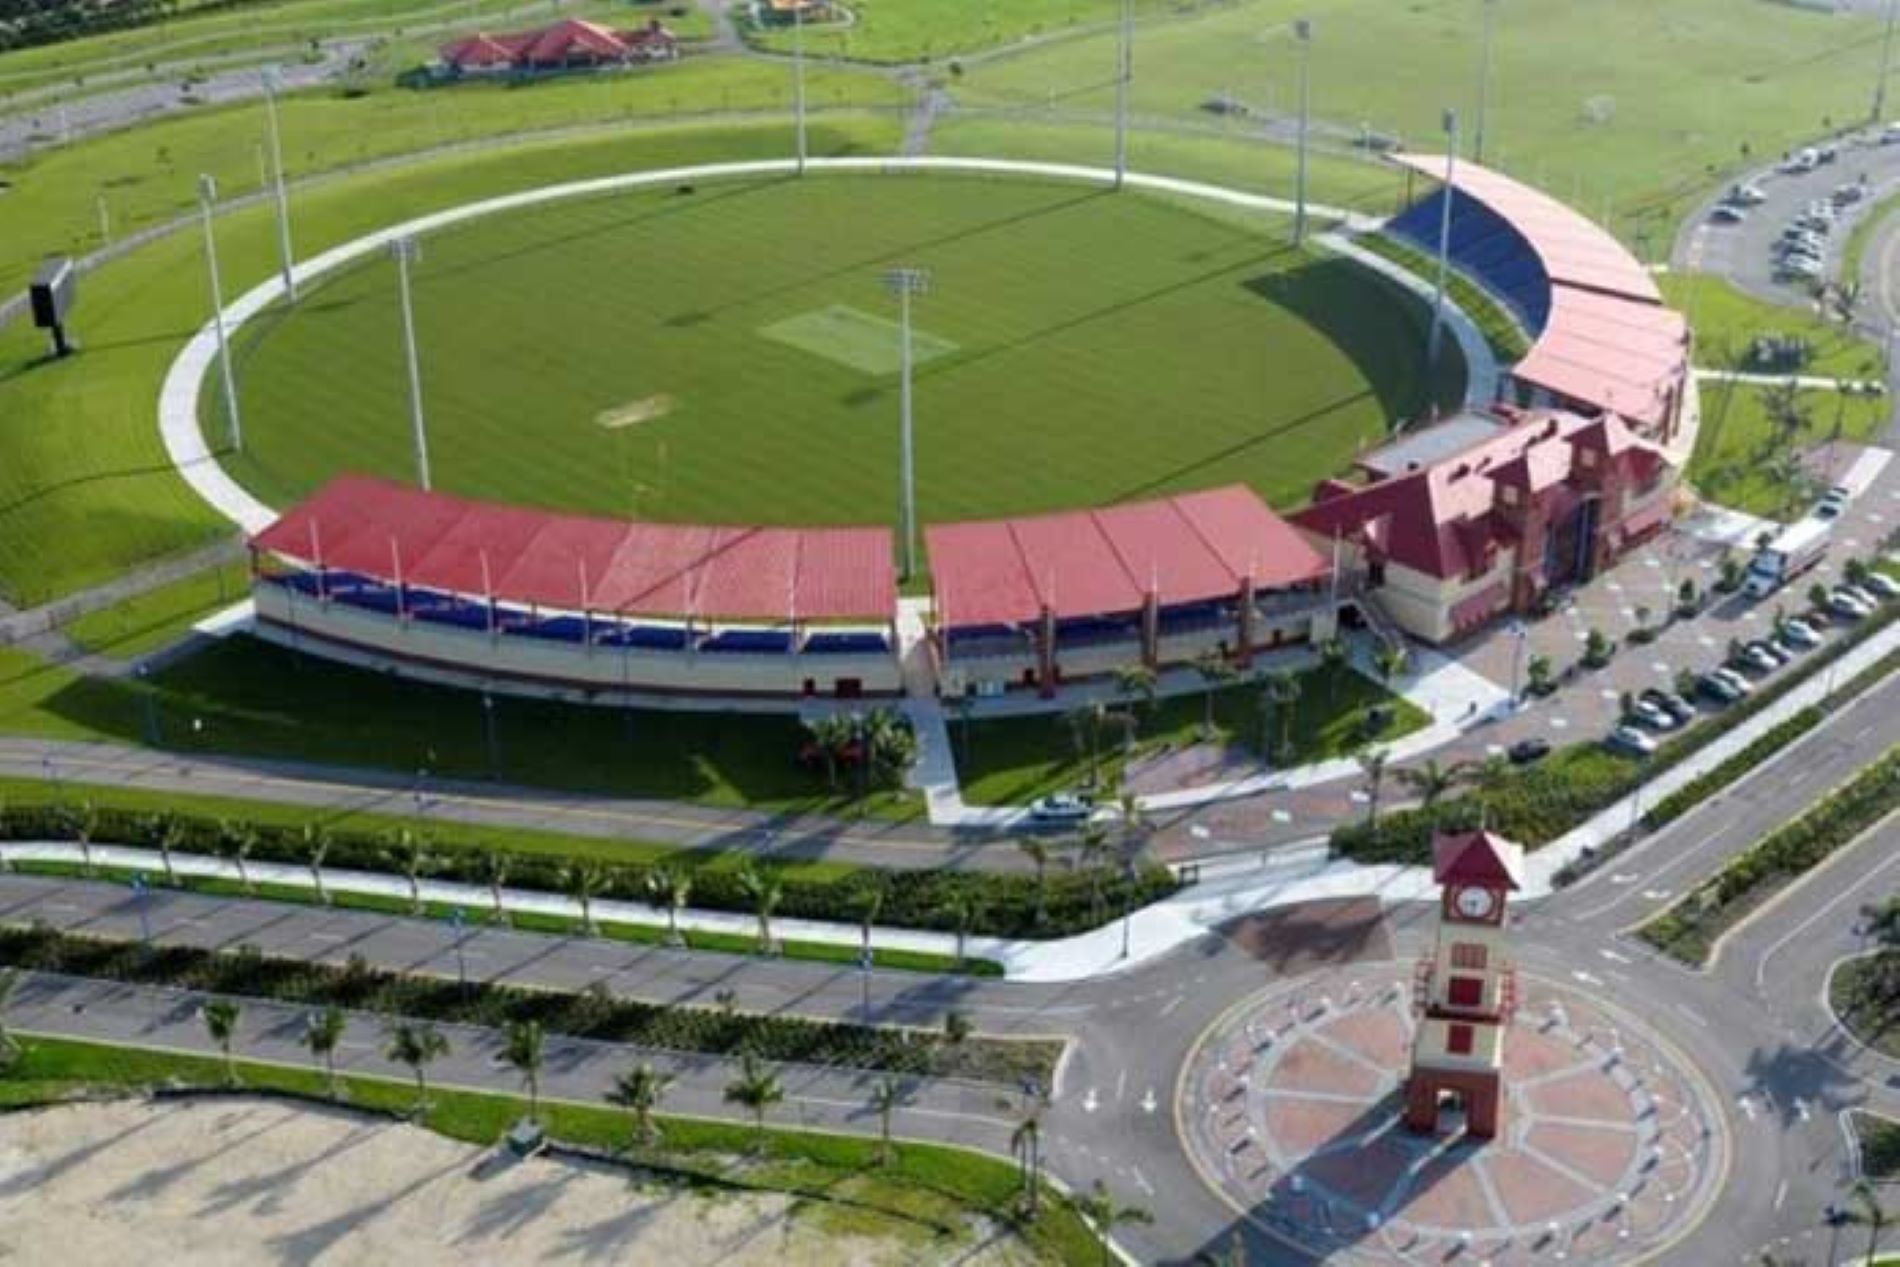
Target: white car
[
  {"x": 1062, "y": 807},
  {"x": 1652, "y": 716},
  {"x": 1882, "y": 584},
  {"x": 1733, "y": 680},
  {"x": 1859, "y": 595},
  {"x": 1845, "y": 604},
  {"x": 1747, "y": 196},
  {"x": 1799, "y": 633},
  {"x": 1632, "y": 741}
]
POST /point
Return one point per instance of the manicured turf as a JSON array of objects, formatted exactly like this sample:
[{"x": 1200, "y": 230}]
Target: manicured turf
[
  {"x": 926, "y": 30},
  {"x": 1107, "y": 347},
  {"x": 1013, "y": 760},
  {"x": 161, "y": 616},
  {"x": 1740, "y": 460},
  {"x": 1727, "y": 320}
]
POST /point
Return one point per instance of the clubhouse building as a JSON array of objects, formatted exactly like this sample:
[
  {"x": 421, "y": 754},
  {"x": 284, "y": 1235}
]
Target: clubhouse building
[{"x": 570, "y": 44}]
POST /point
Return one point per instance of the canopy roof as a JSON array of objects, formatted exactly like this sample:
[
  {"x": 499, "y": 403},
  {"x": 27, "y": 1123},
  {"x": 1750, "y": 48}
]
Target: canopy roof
[
  {"x": 1186, "y": 549},
  {"x": 392, "y": 532}
]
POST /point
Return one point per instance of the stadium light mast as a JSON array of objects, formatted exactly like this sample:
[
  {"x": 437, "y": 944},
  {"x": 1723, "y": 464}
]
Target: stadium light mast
[
  {"x": 406, "y": 251},
  {"x": 1886, "y": 62},
  {"x": 1484, "y": 83},
  {"x": 207, "y": 204},
  {"x": 906, "y": 283},
  {"x": 273, "y": 82},
  {"x": 1303, "y": 35},
  {"x": 798, "y": 80},
  {"x": 1124, "y": 73},
  {"x": 1437, "y": 336}
]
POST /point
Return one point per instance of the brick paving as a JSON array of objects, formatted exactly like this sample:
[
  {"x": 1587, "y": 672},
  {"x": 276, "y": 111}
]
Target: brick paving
[{"x": 1291, "y": 1110}]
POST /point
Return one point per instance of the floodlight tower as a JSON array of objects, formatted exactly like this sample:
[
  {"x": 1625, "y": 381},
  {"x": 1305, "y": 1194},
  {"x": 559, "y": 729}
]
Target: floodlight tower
[
  {"x": 1886, "y": 62},
  {"x": 1124, "y": 74},
  {"x": 907, "y": 283},
  {"x": 207, "y": 205},
  {"x": 1450, "y": 123},
  {"x": 407, "y": 251},
  {"x": 1484, "y": 82},
  {"x": 1303, "y": 36},
  {"x": 272, "y": 82},
  {"x": 798, "y": 80}
]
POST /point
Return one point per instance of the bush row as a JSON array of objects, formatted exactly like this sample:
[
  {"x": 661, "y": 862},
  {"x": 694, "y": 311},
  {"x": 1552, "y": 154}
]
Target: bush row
[
  {"x": 1071, "y": 901},
  {"x": 1537, "y": 804},
  {"x": 1688, "y": 928},
  {"x": 593, "y": 1013},
  {"x": 1707, "y": 784}
]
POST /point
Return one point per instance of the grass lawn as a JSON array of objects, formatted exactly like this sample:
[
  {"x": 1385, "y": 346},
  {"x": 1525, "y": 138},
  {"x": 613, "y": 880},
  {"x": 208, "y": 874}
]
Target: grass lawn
[
  {"x": 1741, "y": 462},
  {"x": 1865, "y": 994},
  {"x": 1096, "y": 315},
  {"x": 838, "y": 1174},
  {"x": 927, "y": 30},
  {"x": 1879, "y": 1139},
  {"x": 85, "y": 490},
  {"x": 1637, "y": 103},
  {"x": 1726, "y": 320},
  {"x": 159, "y": 617},
  {"x": 1013, "y": 760}
]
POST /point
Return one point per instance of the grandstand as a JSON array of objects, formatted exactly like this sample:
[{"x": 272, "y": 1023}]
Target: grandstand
[
  {"x": 1039, "y": 601},
  {"x": 377, "y": 572},
  {"x": 1602, "y": 340}
]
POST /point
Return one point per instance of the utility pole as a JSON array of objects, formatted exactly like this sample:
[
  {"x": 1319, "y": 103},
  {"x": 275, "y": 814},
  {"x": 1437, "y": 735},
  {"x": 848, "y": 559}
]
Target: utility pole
[
  {"x": 1484, "y": 83},
  {"x": 798, "y": 80},
  {"x": 1886, "y": 62},
  {"x": 1450, "y": 123},
  {"x": 906, "y": 283},
  {"x": 1124, "y": 73},
  {"x": 407, "y": 251},
  {"x": 207, "y": 204},
  {"x": 1303, "y": 34},
  {"x": 285, "y": 258}
]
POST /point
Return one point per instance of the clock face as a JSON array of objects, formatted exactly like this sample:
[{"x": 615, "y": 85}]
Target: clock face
[{"x": 1475, "y": 903}]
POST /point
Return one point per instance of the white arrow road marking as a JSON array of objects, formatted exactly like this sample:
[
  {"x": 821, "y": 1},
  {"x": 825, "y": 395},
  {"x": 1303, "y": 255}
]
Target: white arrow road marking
[
  {"x": 1586, "y": 978},
  {"x": 1148, "y": 1101},
  {"x": 1747, "y": 1106},
  {"x": 1655, "y": 895},
  {"x": 1089, "y": 1101},
  {"x": 1801, "y": 1107},
  {"x": 1612, "y": 956}
]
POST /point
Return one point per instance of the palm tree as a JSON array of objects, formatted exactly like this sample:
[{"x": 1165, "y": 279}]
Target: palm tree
[
  {"x": 1026, "y": 1143},
  {"x": 317, "y": 841},
  {"x": 1038, "y": 852},
  {"x": 9, "y": 1045},
  {"x": 1883, "y": 922},
  {"x": 1093, "y": 848},
  {"x": 1216, "y": 671},
  {"x": 235, "y": 843},
  {"x": 1846, "y": 300},
  {"x": 758, "y": 1089},
  {"x": 322, "y": 1033},
  {"x": 412, "y": 856},
  {"x": 494, "y": 873},
  {"x": 1372, "y": 765},
  {"x": 524, "y": 1046},
  {"x": 1136, "y": 685},
  {"x": 639, "y": 1091},
  {"x": 584, "y": 881},
  {"x": 83, "y": 822},
  {"x": 1332, "y": 658},
  {"x": 767, "y": 890},
  {"x": 1390, "y": 660},
  {"x": 1486, "y": 778},
  {"x": 1539, "y": 675},
  {"x": 221, "y": 1020},
  {"x": 1283, "y": 692},
  {"x": 887, "y": 1096},
  {"x": 1431, "y": 780},
  {"x": 965, "y": 908},
  {"x": 416, "y": 1044},
  {"x": 1105, "y": 1214},
  {"x": 1085, "y": 730},
  {"x": 1872, "y": 1213},
  {"x": 670, "y": 888},
  {"x": 829, "y": 736},
  {"x": 171, "y": 834},
  {"x": 890, "y": 746}
]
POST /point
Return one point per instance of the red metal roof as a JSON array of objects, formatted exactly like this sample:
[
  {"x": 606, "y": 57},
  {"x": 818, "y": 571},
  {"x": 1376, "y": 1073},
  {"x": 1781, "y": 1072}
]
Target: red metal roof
[
  {"x": 552, "y": 45},
  {"x": 576, "y": 562},
  {"x": 1477, "y": 857},
  {"x": 1186, "y": 549},
  {"x": 1612, "y": 354}
]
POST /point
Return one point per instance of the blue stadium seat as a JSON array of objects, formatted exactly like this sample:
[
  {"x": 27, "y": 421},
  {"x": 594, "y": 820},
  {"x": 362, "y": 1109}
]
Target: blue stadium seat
[
  {"x": 1484, "y": 247},
  {"x": 749, "y": 642},
  {"x": 846, "y": 644}
]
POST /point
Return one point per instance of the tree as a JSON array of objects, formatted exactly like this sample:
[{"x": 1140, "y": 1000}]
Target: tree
[
  {"x": 1845, "y": 300},
  {"x": 757, "y": 1089},
  {"x": 1430, "y": 780},
  {"x": 584, "y": 880},
  {"x": 829, "y": 736},
  {"x": 964, "y": 906},
  {"x": 1597, "y": 648},
  {"x": 887, "y": 1096},
  {"x": 956, "y": 1027},
  {"x": 1817, "y": 596},
  {"x": 1642, "y": 617},
  {"x": 1372, "y": 763},
  {"x": 670, "y": 888},
  {"x": 1332, "y": 658},
  {"x": 83, "y": 822},
  {"x": 1216, "y": 671},
  {"x": 1282, "y": 694},
  {"x": 317, "y": 842},
  {"x": 417, "y": 1044},
  {"x": 235, "y": 843},
  {"x": 9, "y": 1045},
  {"x": 1038, "y": 852},
  {"x": 171, "y": 834},
  {"x": 1085, "y": 731},
  {"x": 1093, "y": 848},
  {"x": 1541, "y": 675},
  {"x": 322, "y": 1034},
  {"x": 1390, "y": 660},
  {"x": 1871, "y": 1212},
  {"x": 1026, "y": 1143},
  {"x": 868, "y": 907},
  {"x": 1686, "y": 597},
  {"x": 494, "y": 874},
  {"x": 639, "y": 1091},
  {"x": 1136, "y": 684},
  {"x": 766, "y": 890},
  {"x": 413, "y": 856},
  {"x": 1883, "y": 922},
  {"x": 221, "y": 1021},
  {"x": 890, "y": 747},
  {"x": 1105, "y": 1214},
  {"x": 524, "y": 1046}
]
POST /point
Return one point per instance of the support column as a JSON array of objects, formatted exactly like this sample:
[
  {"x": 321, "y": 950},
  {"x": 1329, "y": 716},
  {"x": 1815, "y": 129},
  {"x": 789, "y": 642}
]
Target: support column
[
  {"x": 1151, "y": 631},
  {"x": 1243, "y": 652},
  {"x": 1046, "y": 654}
]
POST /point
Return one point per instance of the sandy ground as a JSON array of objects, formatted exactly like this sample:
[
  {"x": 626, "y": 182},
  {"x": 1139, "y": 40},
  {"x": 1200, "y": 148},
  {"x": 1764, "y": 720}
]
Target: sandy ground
[{"x": 255, "y": 1182}]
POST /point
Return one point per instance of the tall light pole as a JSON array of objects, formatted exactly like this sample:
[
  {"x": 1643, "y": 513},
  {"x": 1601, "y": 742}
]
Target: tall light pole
[
  {"x": 105, "y": 221},
  {"x": 1303, "y": 35},
  {"x": 407, "y": 250},
  {"x": 284, "y": 257},
  {"x": 1124, "y": 73},
  {"x": 1437, "y": 336},
  {"x": 906, "y": 283},
  {"x": 1484, "y": 83},
  {"x": 1886, "y": 62},
  {"x": 207, "y": 204},
  {"x": 798, "y": 80}
]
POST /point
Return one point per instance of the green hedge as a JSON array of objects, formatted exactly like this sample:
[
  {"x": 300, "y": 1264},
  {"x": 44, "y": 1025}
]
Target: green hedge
[
  {"x": 1006, "y": 905},
  {"x": 1703, "y": 786},
  {"x": 592, "y": 1014}
]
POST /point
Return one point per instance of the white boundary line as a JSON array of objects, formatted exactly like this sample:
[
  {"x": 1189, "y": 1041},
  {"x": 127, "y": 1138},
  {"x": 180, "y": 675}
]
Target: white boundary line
[{"x": 190, "y": 453}]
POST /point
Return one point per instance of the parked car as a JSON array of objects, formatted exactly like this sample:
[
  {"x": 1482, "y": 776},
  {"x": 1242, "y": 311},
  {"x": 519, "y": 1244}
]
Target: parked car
[
  {"x": 1629, "y": 740},
  {"x": 1063, "y": 807},
  {"x": 1768, "y": 648},
  {"x": 1859, "y": 595},
  {"x": 1728, "y": 213},
  {"x": 1800, "y": 633},
  {"x": 1842, "y": 603},
  {"x": 1802, "y": 268},
  {"x": 1848, "y": 194},
  {"x": 1719, "y": 689},
  {"x": 1890, "y": 135},
  {"x": 1735, "y": 681},
  {"x": 1528, "y": 751},
  {"x": 1673, "y": 704},
  {"x": 1756, "y": 658},
  {"x": 1882, "y": 584},
  {"x": 1746, "y": 195},
  {"x": 1647, "y": 714}
]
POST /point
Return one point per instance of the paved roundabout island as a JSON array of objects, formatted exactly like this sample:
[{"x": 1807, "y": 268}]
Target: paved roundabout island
[{"x": 1290, "y": 1107}]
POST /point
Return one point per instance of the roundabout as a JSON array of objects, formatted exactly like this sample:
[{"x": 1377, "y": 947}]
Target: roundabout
[{"x": 1290, "y": 1107}]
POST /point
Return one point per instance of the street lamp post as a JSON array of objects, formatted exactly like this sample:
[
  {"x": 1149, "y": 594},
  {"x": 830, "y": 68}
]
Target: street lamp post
[
  {"x": 1519, "y": 636},
  {"x": 1303, "y": 35},
  {"x": 1450, "y": 123},
  {"x": 488, "y": 729},
  {"x": 906, "y": 283},
  {"x": 798, "y": 80},
  {"x": 1886, "y": 62},
  {"x": 407, "y": 251},
  {"x": 207, "y": 204},
  {"x": 141, "y": 894},
  {"x": 272, "y": 82},
  {"x": 1484, "y": 83},
  {"x": 1124, "y": 74}
]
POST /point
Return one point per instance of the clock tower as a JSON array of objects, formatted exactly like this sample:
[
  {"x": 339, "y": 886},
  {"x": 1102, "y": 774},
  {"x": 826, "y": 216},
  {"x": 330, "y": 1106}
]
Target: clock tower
[{"x": 1465, "y": 992}]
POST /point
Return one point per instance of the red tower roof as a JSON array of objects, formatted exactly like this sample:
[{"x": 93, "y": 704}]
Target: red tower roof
[{"x": 1477, "y": 858}]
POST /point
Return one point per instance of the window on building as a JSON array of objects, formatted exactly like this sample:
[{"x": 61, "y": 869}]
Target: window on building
[
  {"x": 1465, "y": 992},
  {"x": 1458, "y": 1040},
  {"x": 1465, "y": 954}
]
